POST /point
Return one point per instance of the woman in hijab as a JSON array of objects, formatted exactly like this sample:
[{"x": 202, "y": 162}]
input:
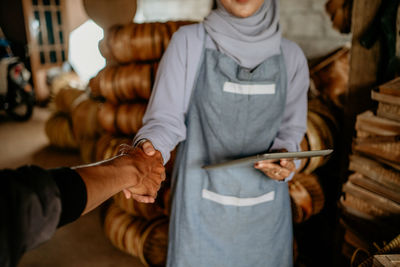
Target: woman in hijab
[{"x": 229, "y": 87}]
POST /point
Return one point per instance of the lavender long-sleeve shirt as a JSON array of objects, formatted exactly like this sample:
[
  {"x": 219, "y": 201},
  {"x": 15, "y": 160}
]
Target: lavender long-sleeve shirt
[{"x": 164, "y": 120}]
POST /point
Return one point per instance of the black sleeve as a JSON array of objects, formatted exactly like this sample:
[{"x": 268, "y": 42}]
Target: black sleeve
[
  {"x": 33, "y": 202},
  {"x": 72, "y": 192}
]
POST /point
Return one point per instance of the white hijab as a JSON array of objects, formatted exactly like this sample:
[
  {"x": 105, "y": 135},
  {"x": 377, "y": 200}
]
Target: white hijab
[{"x": 249, "y": 41}]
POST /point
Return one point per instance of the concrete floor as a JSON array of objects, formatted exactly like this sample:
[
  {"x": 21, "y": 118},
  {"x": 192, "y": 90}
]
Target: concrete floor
[{"x": 81, "y": 243}]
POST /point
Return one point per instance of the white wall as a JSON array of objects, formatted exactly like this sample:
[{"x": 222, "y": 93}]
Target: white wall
[{"x": 307, "y": 23}]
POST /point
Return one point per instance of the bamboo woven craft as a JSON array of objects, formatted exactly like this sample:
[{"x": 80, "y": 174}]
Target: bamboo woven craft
[
  {"x": 376, "y": 171},
  {"x": 125, "y": 118},
  {"x": 87, "y": 149},
  {"x": 301, "y": 202},
  {"x": 313, "y": 186},
  {"x": 331, "y": 76},
  {"x": 307, "y": 196},
  {"x": 389, "y": 151},
  {"x": 108, "y": 146},
  {"x": 65, "y": 98},
  {"x": 136, "y": 236},
  {"x": 319, "y": 136},
  {"x": 59, "y": 132},
  {"x": 148, "y": 211},
  {"x": 139, "y": 42},
  {"x": 388, "y": 206},
  {"x": 84, "y": 120},
  {"x": 126, "y": 82},
  {"x": 106, "y": 117}
]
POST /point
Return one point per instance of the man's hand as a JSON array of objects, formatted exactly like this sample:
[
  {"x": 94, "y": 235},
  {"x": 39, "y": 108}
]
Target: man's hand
[
  {"x": 276, "y": 170},
  {"x": 151, "y": 172}
]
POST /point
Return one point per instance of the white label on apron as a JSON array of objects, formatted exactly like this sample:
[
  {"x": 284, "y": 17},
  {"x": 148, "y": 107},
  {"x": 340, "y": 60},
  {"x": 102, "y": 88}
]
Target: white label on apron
[
  {"x": 236, "y": 201},
  {"x": 249, "y": 89}
]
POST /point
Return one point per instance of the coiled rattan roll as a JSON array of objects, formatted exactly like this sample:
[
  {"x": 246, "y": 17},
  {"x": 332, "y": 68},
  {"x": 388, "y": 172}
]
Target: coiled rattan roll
[
  {"x": 105, "y": 51},
  {"x": 139, "y": 42},
  {"x": 148, "y": 211},
  {"x": 101, "y": 145},
  {"x": 307, "y": 196},
  {"x": 87, "y": 148},
  {"x": 125, "y": 118},
  {"x": 313, "y": 186},
  {"x": 84, "y": 120},
  {"x": 106, "y": 117},
  {"x": 126, "y": 82},
  {"x": 65, "y": 98},
  {"x": 154, "y": 243},
  {"x": 59, "y": 131},
  {"x": 108, "y": 146},
  {"x": 139, "y": 237},
  {"x": 94, "y": 86},
  {"x": 331, "y": 77},
  {"x": 320, "y": 135}
]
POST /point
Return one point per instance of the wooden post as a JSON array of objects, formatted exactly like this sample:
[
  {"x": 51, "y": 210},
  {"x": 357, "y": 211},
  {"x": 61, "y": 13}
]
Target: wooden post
[
  {"x": 362, "y": 78},
  {"x": 363, "y": 62},
  {"x": 363, "y": 74},
  {"x": 398, "y": 33}
]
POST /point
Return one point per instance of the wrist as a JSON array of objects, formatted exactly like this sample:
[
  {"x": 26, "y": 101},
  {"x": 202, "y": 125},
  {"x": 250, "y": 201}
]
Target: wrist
[{"x": 123, "y": 169}]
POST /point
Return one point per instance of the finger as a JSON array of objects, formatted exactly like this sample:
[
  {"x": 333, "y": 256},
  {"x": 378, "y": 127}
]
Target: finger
[
  {"x": 163, "y": 176},
  {"x": 268, "y": 160},
  {"x": 272, "y": 170},
  {"x": 288, "y": 164},
  {"x": 159, "y": 170},
  {"x": 143, "y": 199},
  {"x": 127, "y": 193},
  {"x": 265, "y": 165},
  {"x": 285, "y": 173},
  {"x": 148, "y": 148}
]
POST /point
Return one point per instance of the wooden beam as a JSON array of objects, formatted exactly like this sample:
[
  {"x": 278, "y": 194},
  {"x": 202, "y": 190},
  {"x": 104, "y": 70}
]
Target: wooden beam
[
  {"x": 363, "y": 62},
  {"x": 362, "y": 78},
  {"x": 398, "y": 33}
]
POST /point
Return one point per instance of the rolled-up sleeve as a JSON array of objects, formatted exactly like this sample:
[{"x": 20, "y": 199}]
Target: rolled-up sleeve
[{"x": 164, "y": 120}]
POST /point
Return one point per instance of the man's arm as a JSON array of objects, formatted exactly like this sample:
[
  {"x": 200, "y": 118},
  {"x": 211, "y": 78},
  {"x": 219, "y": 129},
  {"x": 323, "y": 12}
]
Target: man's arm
[
  {"x": 133, "y": 169},
  {"x": 34, "y": 201}
]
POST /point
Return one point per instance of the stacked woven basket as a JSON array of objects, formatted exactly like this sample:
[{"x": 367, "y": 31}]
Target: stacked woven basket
[
  {"x": 329, "y": 84},
  {"x": 133, "y": 52},
  {"x": 74, "y": 125},
  {"x": 371, "y": 196}
]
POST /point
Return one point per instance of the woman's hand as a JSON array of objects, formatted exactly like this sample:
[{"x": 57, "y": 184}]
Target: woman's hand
[{"x": 276, "y": 170}]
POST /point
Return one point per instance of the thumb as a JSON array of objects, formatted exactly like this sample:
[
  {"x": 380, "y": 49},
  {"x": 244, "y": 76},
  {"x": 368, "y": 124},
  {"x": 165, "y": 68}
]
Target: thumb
[{"x": 148, "y": 148}]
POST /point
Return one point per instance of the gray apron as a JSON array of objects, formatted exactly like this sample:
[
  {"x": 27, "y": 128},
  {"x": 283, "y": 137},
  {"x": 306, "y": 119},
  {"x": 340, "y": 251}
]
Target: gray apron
[{"x": 235, "y": 216}]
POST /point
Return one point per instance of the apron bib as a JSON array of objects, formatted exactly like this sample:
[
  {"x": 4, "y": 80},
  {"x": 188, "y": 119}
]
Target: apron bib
[{"x": 234, "y": 216}]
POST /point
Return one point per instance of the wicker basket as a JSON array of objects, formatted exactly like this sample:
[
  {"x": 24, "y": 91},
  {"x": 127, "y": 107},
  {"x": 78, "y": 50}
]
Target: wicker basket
[{"x": 136, "y": 236}]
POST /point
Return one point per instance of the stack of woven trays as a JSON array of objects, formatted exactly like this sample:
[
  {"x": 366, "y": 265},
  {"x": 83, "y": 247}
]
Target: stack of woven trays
[
  {"x": 73, "y": 125},
  {"x": 133, "y": 52},
  {"x": 371, "y": 200}
]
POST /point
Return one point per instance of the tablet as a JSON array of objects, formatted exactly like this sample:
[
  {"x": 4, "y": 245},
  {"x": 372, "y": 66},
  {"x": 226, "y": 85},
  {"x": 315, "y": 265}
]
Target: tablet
[{"x": 270, "y": 156}]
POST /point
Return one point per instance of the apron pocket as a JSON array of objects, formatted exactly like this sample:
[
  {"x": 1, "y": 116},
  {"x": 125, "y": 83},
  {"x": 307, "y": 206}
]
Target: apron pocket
[{"x": 236, "y": 201}]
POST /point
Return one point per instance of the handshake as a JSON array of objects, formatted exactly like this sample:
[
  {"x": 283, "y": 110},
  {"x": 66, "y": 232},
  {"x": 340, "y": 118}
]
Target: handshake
[
  {"x": 150, "y": 171},
  {"x": 137, "y": 171}
]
